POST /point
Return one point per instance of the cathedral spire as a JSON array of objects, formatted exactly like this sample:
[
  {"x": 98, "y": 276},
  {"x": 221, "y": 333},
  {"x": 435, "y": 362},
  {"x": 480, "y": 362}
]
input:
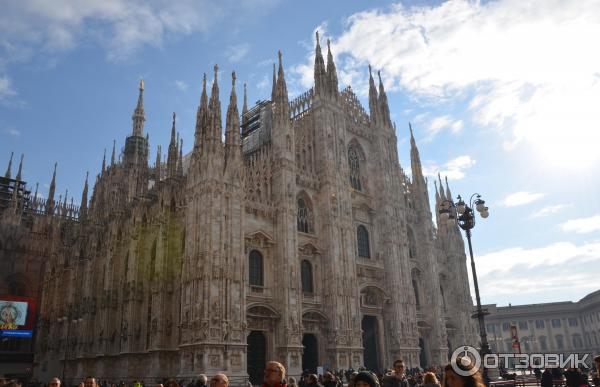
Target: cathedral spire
[
  {"x": 232, "y": 129},
  {"x": 245, "y": 107},
  {"x": 84, "y": 197},
  {"x": 442, "y": 194},
  {"x": 172, "y": 153},
  {"x": 415, "y": 160},
  {"x": 215, "y": 112},
  {"x": 373, "y": 99},
  {"x": 20, "y": 169},
  {"x": 138, "y": 114},
  {"x": 104, "y": 162},
  {"x": 36, "y": 191},
  {"x": 201, "y": 117},
  {"x": 383, "y": 103},
  {"x": 157, "y": 164},
  {"x": 448, "y": 193},
  {"x": 9, "y": 169},
  {"x": 331, "y": 71},
  {"x": 112, "y": 157},
  {"x": 15, "y": 195},
  {"x": 319, "y": 69},
  {"x": 180, "y": 159},
  {"x": 281, "y": 98},
  {"x": 274, "y": 83},
  {"x": 51, "y": 190}
]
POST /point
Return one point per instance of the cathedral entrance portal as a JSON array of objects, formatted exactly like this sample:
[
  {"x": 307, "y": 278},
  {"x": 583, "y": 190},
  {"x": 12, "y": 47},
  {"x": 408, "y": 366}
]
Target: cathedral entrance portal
[
  {"x": 310, "y": 356},
  {"x": 370, "y": 336},
  {"x": 422, "y": 355},
  {"x": 257, "y": 356}
]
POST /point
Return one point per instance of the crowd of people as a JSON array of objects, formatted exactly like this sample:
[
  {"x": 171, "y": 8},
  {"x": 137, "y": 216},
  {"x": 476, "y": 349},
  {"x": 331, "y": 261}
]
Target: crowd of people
[{"x": 398, "y": 376}]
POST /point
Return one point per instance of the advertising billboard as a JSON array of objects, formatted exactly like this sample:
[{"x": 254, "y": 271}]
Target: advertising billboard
[{"x": 17, "y": 316}]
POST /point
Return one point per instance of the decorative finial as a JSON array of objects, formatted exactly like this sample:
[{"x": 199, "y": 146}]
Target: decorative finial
[
  {"x": 328, "y": 44},
  {"x": 216, "y": 68},
  {"x": 174, "y": 115},
  {"x": 370, "y": 74},
  {"x": 233, "y": 78},
  {"x": 141, "y": 84},
  {"x": 204, "y": 81},
  {"x": 379, "y": 75},
  {"x": 279, "y": 55},
  {"x": 317, "y": 34}
]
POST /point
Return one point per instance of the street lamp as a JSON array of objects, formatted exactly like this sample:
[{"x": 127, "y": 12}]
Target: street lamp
[{"x": 463, "y": 213}]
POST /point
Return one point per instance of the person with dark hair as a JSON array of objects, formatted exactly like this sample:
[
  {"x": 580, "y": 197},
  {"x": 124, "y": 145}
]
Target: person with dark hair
[
  {"x": 90, "y": 381},
  {"x": 547, "y": 379},
  {"x": 365, "y": 379},
  {"x": 171, "y": 383},
  {"x": 398, "y": 377},
  {"x": 452, "y": 379},
  {"x": 313, "y": 381}
]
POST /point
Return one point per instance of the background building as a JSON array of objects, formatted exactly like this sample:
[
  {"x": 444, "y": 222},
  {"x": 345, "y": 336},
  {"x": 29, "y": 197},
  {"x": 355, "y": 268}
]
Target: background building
[
  {"x": 554, "y": 327},
  {"x": 299, "y": 238}
]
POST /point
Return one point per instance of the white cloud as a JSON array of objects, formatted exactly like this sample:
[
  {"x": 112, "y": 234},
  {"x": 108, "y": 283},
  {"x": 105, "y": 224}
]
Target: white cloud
[
  {"x": 549, "y": 210},
  {"x": 538, "y": 273},
  {"x": 181, "y": 85},
  {"x": 521, "y": 198},
  {"x": 527, "y": 69},
  {"x": 582, "y": 225},
  {"x": 526, "y": 259},
  {"x": 12, "y": 131},
  {"x": 441, "y": 123},
  {"x": 236, "y": 53},
  {"x": 121, "y": 26},
  {"x": 6, "y": 90},
  {"x": 454, "y": 169}
]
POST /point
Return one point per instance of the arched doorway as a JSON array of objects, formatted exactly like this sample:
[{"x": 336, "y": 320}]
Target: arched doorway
[
  {"x": 310, "y": 356},
  {"x": 257, "y": 356},
  {"x": 422, "y": 354},
  {"x": 371, "y": 350}
]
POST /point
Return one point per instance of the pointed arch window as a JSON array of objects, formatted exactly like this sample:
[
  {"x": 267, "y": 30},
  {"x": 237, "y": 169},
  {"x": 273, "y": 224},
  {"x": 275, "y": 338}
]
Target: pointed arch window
[
  {"x": 256, "y": 268},
  {"x": 416, "y": 290},
  {"x": 306, "y": 272},
  {"x": 412, "y": 251},
  {"x": 304, "y": 216},
  {"x": 362, "y": 237},
  {"x": 354, "y": 164}
]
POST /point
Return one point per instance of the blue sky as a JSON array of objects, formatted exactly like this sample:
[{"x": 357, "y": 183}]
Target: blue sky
[{"x": 503, "y": 97}]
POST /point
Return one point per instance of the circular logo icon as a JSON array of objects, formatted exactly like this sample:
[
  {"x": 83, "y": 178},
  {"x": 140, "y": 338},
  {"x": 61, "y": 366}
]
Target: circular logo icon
[{"x": 465, "y": 360}]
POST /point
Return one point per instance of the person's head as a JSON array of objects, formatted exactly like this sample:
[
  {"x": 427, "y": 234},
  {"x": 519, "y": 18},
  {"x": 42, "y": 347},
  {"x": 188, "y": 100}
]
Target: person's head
[
  {"x": 90, "y": 381},
  {"x": 274, "y": 373},
  {"x": 430, "y": 377},
  {"x": 202, "y": 379},
  {"x": 452, "y": 379},
  {"x": 219, "y": 380},
  {"x": 365, "y": 379},
  {"x": 171, "y": 383},
  {"x": 82, "y": 384},
  {"x": 54, "y": 382},
  {"x": 313, "y": 379},
  {"x": 291, "y": 381},
  {"x": 399, "y": 367}
]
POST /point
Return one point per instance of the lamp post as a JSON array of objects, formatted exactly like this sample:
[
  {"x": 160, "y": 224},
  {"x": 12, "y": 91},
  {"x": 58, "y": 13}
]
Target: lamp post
[
  {"x": 69, "y": 321},
  {"x": 463, "y": 213}
]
